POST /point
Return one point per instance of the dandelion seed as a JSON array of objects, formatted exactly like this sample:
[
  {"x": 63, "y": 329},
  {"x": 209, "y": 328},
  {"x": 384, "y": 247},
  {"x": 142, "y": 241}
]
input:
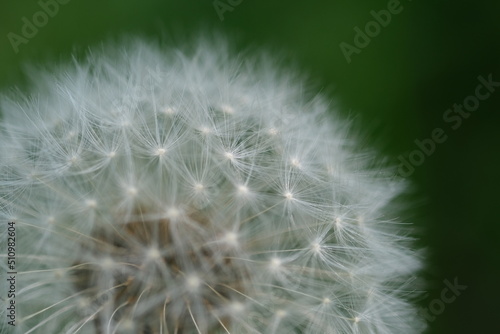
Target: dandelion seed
[
  {"x": 205, "y": 130},
  {"x": 160, "y": 152},
  {"x": 316, "y": 247},
  {"x": 153, "y": 254},
  {"x": 243, "y": 189},
  {"x": 237, "y": 307},
  {"x": 132, "y": 191},
  {"x": 169, "y": 111},
  {"x": 227, "y": 109},
  {"x": 91, "y": 203},
  {"x": 173, "y": 213},
  {"x": 273, "y": 131},
  {"x": 275, "y": 263},
  {"x": 193, "y": 283},
  {"x": 231, "y": 238},
  {"x": 295, "y": 162},
  {"x": 280, "y": 313}
]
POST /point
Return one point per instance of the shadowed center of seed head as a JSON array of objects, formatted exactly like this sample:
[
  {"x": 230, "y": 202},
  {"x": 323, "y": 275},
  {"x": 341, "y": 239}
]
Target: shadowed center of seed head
[{"x": 160, "y": 273}]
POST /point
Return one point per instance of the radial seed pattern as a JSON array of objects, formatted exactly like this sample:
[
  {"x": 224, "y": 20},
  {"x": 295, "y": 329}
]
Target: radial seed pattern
[{"x": 195, "y": 192}]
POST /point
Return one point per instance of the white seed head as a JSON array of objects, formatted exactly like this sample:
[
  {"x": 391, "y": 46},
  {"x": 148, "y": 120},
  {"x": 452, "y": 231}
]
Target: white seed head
[{"x": 264, "y": 206}]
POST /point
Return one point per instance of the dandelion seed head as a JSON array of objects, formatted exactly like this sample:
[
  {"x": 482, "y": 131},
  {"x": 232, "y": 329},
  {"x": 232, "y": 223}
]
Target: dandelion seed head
[{"x": 265, "y": 211}]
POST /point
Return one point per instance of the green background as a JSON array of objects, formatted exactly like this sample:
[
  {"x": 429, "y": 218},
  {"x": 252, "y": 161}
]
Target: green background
[{"x": 398, "y": 87}]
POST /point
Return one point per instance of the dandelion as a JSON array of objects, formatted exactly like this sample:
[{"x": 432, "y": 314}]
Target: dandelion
[{"x": 160, "y": 191}]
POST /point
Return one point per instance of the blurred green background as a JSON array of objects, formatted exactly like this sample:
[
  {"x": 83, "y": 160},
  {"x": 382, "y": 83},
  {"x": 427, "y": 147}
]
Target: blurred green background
[{"x": 398, "y": 87}]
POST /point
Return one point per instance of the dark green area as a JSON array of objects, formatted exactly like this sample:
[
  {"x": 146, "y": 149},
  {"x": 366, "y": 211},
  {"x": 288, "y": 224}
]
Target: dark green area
[{"x": 399, "y": 86}]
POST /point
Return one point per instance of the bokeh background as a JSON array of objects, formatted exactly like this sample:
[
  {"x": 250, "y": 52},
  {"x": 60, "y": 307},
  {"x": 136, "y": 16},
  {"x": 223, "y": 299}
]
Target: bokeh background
[{"x": 398, "y": 88}]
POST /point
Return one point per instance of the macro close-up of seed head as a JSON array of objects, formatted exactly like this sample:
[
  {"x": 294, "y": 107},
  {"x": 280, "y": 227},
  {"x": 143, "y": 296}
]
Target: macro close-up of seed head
[{"x": 198, "y": 190}]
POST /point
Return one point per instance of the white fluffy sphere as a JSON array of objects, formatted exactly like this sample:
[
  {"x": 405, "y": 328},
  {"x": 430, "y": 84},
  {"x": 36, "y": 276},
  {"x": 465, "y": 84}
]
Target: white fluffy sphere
[{"x": 158, "y": 191}]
